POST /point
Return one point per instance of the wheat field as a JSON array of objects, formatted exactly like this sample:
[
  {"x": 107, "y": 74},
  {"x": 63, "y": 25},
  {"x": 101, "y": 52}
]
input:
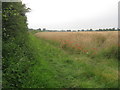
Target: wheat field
[{"x": 84, "y": 41}]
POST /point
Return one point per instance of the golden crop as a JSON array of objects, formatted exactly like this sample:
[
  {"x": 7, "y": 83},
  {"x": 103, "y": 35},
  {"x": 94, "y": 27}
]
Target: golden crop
[{"x": 84, "y": 41}]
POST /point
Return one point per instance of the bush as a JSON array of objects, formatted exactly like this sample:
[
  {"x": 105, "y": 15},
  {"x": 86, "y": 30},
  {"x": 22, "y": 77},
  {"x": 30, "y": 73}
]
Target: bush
[{"x": 17, "y": 55}]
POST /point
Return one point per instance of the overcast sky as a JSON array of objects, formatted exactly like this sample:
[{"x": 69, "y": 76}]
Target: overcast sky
[{"x": 72, "y": 14}]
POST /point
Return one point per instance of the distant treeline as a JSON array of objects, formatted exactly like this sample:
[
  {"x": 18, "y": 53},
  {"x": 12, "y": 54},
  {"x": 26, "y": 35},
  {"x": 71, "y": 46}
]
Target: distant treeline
[{"x": 45, "y": 30}]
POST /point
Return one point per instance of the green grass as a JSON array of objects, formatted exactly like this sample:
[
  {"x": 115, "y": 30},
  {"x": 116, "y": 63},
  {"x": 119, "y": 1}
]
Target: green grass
[{"x": 55, "y": 68}]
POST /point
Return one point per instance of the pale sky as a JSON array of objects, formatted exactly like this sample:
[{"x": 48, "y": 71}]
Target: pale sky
[{"x": 72, "y": 14}]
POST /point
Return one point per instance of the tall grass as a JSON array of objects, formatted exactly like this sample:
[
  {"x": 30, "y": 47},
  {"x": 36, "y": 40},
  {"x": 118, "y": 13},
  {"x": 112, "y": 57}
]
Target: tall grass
[
  {"x": 89, "y": 43},
  {"x": 55, "y": 68}
]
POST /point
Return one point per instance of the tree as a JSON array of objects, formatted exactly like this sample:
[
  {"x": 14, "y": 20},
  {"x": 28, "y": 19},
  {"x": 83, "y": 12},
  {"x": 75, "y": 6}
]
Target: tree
[
  {"x": 68, "y": 30},
  {"x": 107, "y": 29},
  {"x": 44, "y": 29},
  {"x": 113, "y": 29},
  {"x": 91, "y": 30},
  {"x": 39, "y": 29},
  {"x": 118, "y": 29},
  {"x": 82, "y": 30},
  {"x": 110, "y": 29},
  {"x": 100, "y": 29}
]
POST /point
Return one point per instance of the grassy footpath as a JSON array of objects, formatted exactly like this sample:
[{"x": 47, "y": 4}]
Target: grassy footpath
[{"x": 54, "y": 68}]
